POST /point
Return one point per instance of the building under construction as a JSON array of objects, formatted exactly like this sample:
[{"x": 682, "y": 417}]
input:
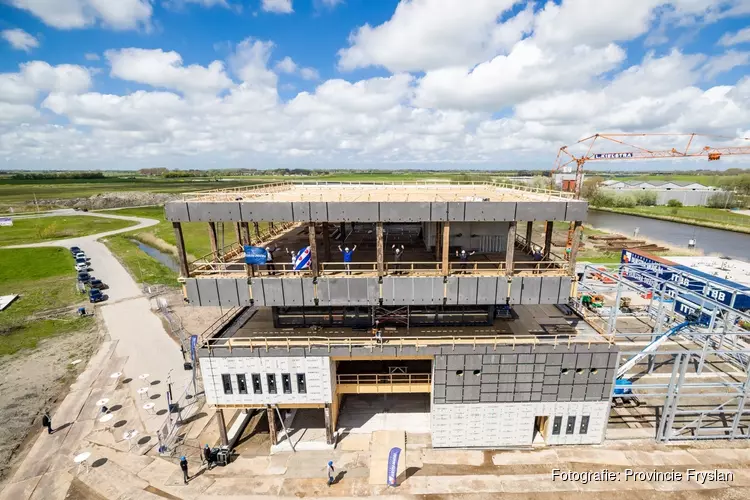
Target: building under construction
[{"x": 430, "y": 296}]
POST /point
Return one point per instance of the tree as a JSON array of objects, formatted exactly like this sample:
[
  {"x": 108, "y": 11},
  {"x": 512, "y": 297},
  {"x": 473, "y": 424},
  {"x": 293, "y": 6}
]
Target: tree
[{"x": 591, "y": 186}]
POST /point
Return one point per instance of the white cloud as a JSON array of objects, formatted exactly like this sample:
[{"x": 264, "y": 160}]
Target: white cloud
[
  {"x": 250, "y": 62},
  {"x": 90, "y": 56},
  {"x": 277, "y": 6},
  {"x": 20, "y": 40},
  {"x": 309, "y": 74},
  {"x": 68, "y": 14},
  {"x": 725, "y": 62},
  {"x": 742, "y": 36},
  {"x": 286, "y": 65},
  {"x": 165, "y": 69},
  {"x": 65, "y": 78}
]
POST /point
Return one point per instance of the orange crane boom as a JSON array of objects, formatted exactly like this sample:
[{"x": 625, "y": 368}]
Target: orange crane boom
[{"x": 634, "y": 152}]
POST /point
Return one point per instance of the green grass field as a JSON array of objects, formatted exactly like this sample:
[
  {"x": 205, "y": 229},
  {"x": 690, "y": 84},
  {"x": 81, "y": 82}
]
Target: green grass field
[
  {"x": 28, "y": 335},
  {"x": 36, "y": 229},
  {"x": 140, "y": 265}
]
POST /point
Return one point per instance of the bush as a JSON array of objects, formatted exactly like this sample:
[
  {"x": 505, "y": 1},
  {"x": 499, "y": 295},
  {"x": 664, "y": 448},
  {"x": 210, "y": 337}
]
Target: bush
[
  {"x": 674, "y": 203},
  {"x": 626, "y": 201},
  {"x": 723, "y": 200},
  {"x": 645, "y": 198}
]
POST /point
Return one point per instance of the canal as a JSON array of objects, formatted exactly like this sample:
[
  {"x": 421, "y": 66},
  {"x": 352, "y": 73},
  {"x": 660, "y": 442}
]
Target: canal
[{"x": 709, "y": 241}]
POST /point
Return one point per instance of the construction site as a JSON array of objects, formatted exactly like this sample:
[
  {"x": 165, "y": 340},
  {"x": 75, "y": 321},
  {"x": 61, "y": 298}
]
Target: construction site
[{"x": 447, "y": 320}]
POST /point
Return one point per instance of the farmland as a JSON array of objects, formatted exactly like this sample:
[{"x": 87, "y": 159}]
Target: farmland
[{"x": 37, "y": 229}]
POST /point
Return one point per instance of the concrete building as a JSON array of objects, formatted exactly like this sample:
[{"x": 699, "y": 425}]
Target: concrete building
[
  {"x": 477, "y": 341},
  {"x": 688, "y": 193}
]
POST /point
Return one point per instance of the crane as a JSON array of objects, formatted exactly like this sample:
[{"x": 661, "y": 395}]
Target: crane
[{"x": 565, "y": 159}]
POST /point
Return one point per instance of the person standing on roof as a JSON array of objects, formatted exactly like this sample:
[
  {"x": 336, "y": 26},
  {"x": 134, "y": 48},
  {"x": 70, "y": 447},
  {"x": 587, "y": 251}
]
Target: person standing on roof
[
  {"x": 347, "y": 257},
  {"x": 463, "y": 256},
  {"x": 269, "y": 259},
  {"x": 398, "y": 252}
]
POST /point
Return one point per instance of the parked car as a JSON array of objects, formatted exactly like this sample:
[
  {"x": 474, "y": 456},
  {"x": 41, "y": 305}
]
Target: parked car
[
  {"x": 84, "y": 277},
  {"x": 82, "y": 266},
  {"x": 97, "y": 284},
  {"x": 96, "y": 295},
  {"x": 75, "y": 250},
  {"x": 81, "y": 255}
]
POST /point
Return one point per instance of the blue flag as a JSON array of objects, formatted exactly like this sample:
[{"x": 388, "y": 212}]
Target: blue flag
[
  {"x": 393, "y": 466},
  {"x": 255, "y": 255},
  {"x": 193, "y": 344}
]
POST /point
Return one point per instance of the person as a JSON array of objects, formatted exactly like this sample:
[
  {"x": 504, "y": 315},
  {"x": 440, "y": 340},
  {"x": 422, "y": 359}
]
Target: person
[
  {"x": 184, "y": 467},
  {"x": 293, "y": 255},
  {"x": 330, "y": 473},
  {"x": 398, "y": 252},
  {"x": 347, "y": 257},
  {"x": 105, "y": 410},
  {"x": 464, "y": 257},
  {"x": 377, "y": 332},
  {"x": 538, "y": 254},
  {"x": 47, "y": 422},
  {"x": 269, "y": 259},
  {"x": 207, "y": 456}
]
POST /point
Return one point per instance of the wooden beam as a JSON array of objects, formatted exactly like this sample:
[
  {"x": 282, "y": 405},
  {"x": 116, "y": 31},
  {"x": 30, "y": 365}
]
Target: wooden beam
[
  {"x": 326, "y": 241},
  {"x": 379, "y": 247},
  {"x": 256, "y": 228},
  {"x": 510, "y": 248},
  {"x": 438, "y": 236},
  {"x": 313, "y": 249},
  {"x": 246, "y": 233},
  {"x": 529, "y": 230},
  {"x": 222, "y": 427},
  {"x": 271, "y": 415},
  {"x": 577, "y": 231},
  {"x": 181, "y": 256},
  {"x": 548, "y": 226},
  {"x": 213, "y": 239},
  {"x": 446, "y": 246},
  {"x": 328, "y": 423},
  {"x": 342, "y": 230},
  {"x": 238, "y": 232}
]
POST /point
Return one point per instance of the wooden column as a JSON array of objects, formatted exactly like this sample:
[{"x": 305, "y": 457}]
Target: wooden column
[
  {"x": 379, "y": 248},
  {"x": 246, "y": 233},
  {"x": 446, "y": 246},
  {"x": 256, "y": 228},
  {"x": 222, "y": 427},
  {"x": 271, "y": 415},
  {"x": 181, "y": 256},
  {"x": 438, "y": 236},
  {"x": 547, "y": 239},
  {"x": 313, "y": 249},
  {"x": 328, "y": 423},
  {"x": 510, "y": 248},
  {"x": 342, "y": 230},
  {"x": 326, "y": 241},
  {"x": 238, "y": 232},
  {"x": 577, "y": 230},
  {"x": 529, "y": 230},
  {"x": 213, "y": 239}
]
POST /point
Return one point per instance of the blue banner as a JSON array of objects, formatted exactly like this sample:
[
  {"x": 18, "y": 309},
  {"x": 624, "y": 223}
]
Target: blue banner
[
  {"x": 393, "y": 466},
  {"x": 193, "y": 344},
  {"x": 255, "y": 255}
]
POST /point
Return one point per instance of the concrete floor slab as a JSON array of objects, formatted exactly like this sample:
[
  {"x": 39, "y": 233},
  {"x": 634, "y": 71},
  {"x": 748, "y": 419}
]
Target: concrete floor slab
[
  {"x": 94, "y": 367},
  {"x": 128, "y": 461},
  {"x": 245, "y": 486},
  {"x": 53, "y": 486},
  {"x": 449, "y": 456},
  {"x": 111, "y": 481},
  {"x": 246, "y": 466},
  {"x": 658, "y": 457},
  {"x": 354, "y": 442},
  {"x": 167, "y": 477},
  {"x": 721, "y": 456},
  {"x": 71, "y": 446},
  {"x": 546, "y": 456},
  {"x": 380, "y": 447},
  {"x": 20, "y": 490},
  {"x": 593, "y": 456},
  {"x": 367, "y": 413}
]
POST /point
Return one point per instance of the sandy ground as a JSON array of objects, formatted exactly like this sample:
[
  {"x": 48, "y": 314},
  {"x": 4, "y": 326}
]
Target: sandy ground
[
  {"x": 195, "y": 320},
  {"x": 31, "y": 381}
]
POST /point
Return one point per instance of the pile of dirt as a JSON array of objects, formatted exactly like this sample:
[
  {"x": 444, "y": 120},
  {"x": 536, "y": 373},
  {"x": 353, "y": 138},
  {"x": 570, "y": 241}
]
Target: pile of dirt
[{"x": 119, "y": 199}]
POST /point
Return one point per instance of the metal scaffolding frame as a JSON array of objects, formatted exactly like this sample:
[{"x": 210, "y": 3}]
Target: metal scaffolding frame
[{"x": 684, "y": 414}]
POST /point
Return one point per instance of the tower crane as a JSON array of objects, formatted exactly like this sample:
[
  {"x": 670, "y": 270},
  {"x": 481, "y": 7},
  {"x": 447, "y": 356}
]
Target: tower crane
[{"x": 627, "y": 151}]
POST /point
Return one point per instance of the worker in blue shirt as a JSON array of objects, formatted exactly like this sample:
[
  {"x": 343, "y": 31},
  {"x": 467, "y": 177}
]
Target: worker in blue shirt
[{"x": 347, "y": 257}]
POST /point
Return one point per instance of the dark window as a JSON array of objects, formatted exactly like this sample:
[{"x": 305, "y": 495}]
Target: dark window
[
  {"x": 556, "y": 424},
  {"x": 286, "y": 383},
  {"x": 584, "y": 425},
  {"x": 242, "y": 384},
  {"x": 271, "y": 379},
  {"x": 257, "y": 388},
  {"x": 571, "y": 427},
  {"x": 226, "y": 381},
  {"x": 301, "y": 384}
]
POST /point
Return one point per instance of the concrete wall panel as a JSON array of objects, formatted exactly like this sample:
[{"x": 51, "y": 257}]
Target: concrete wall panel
[
  {"x": 550, "y": 290},
  {"x": 209, "y": 292},
  {"x": 490, "y": 211},
  {"x": 467, "y": 290},
  {"x": 451, "y": 293},
  {"x": 404, "y": 212},
  {"x": 565, "y": 288},
  {"x": 318, "y": 211},
  {"x": 228, "y": 296},
  {"x": 258, "y": 211},
  {"x": 540, "y": 210},
  {"x": 243, "y": 292},
  {"x": 576, "y": 210},
  {"x": 301, "y": 211},
  {"x": 308, "y": 292},
  {"x": 259, "y": 295},
  {"x": 191, "y": 289},
  {"x": 531, "y": 290},
  {"x": 273, "y": 291},
  {"x": 438, "y": 211},
  {"x": 516, "y": 285},
  {"x": 501, "y": 290},
  {"x": 487, "y": 290},
  {"x": 456, "y": 210},
  {"x": 353, "y": 211},
  {"x": 214, "y": 211},
  {"x": 176, "y": 211},
  {"x": 358, "y": 291},
  {"x": 292, "y": 289}
]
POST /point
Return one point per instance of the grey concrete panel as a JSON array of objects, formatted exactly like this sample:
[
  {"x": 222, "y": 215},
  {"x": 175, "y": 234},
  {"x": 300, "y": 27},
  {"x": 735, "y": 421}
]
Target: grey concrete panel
[
  {"x": 339, "y": 289},
  {"x": 440, "y": 378},
  {"x": 516, "y": 285},
  {"x": 451, "y": 294},
  {"x": 579, "y": 393},
  {"x": 564, "y": 392},
  {"x": 583, "y": 360},
  {"x": 373, "y": 291},
  {"x": 576, "y": 210},
  {"x": 526, "y": 358},
  {"x": 358, "y": 291},
  {"x": 301, "y": 211},
  {"x": 531, "y": 289},
  {"x": 490, "y": 211},
  {"x": 501, "y": 290},
  {"x": 176, "y": 211},
  {"x": 292, "y": 288},
  {"x": 470, "y": 379},
  {"x": 486, "y": 290},
  {"x": 599, "y": 360},
  {"x": 259, "y": 296},
  {"x": 438, "y": 211},
  {"x": 489, "y": 378},
  {"x": 471, "y": 394},
  {"x": 440, "y": 391},
  {"x": 273, "y": 291},
  {"x": 569, "y": 361},
  {"x": 454, "y": 394},
  {"x": 456, "y": 210},
  {"x": 540, "y": 210},
  {"x": 191, "y": 287},
  {"x": 441, "y": 362},
  {"x": 308, "y": 292},
  {"x": 550, "y": 290},
  {"x": 258, "y": 211},
  {"x": 467, "y": 290},
  {"x": 243, "y": 292},
  {"x": 209, "y": 292},
  {"x": 228, "y": 296},
  {"x": 323, "y": 292},
  {"x": 455, "y": 362},
  {"x": 214, "y": 211},
  {"x": 487, "y": 398},
  {"x": 364, "y": 211},
  {"x": 404, "y": 211},
  {"x": 563, "y": 296},
  {"x": 473, "y": 361},
  {"x": 319, "y": 211}
]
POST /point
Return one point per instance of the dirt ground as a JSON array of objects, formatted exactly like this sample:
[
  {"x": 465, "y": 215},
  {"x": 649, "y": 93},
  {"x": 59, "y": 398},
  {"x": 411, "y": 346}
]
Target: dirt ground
[
  {"x": 34, "y": 380},
  {"x": 195, "y": 320}
]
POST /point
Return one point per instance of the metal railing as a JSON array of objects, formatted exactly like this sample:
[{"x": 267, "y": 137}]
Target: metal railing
[
  {"x": 545, "y": 267},
  {"x": 384, "y": 378},
  {"x": 414, "y": 268}
]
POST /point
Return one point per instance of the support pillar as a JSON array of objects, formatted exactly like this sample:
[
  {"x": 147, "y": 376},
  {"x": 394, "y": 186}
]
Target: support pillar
[
  {"x": 181, "y": 256},
  {"x": 245, "y": 233},
  {"x": 547, "y": 239},
  {"x": 326, "y": 241},
  {"x": 446, "y": 247},
  {"x": 438, "y": 235},
  {"x": 271, "y": 415},
  {"x": 256, "y": 228},
  {"x": 510, "y": 248},
  {"x": 329, "y": 423},
  {"x": 529, "y": 230},
  {"x": 342, "y": 230},
  {"x": 577, "y": 229},
  {"x": 214, "y": 241},
  {"x": 238, "y": 232},
  {"x": 222, "y": 427},
  {"x": 313, "y": 249},
  {"x": 379, "y": 248}
]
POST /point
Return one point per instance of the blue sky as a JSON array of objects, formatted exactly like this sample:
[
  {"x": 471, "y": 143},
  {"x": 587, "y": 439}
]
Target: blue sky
[{"x": 422, "y": 84}]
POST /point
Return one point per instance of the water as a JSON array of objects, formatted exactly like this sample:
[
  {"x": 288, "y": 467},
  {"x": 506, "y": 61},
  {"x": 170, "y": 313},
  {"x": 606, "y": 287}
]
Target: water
[
  {"x": 709, "y": 241},
  {"x": 164, "y": 258}
]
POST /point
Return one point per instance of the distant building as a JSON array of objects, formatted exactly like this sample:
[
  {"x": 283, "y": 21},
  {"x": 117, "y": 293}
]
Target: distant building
[{"x": 688, "y": 193}]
